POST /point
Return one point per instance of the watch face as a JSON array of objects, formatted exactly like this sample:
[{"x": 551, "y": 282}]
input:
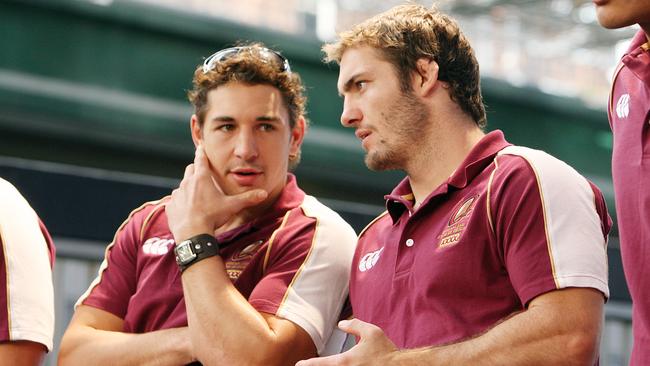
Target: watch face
[{"x": 184, "y": 253}]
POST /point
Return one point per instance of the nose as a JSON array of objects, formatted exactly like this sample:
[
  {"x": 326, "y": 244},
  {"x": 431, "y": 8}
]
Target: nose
[
  {"x": 351, "y": 115},
  {"x": 246, "y": 146}
]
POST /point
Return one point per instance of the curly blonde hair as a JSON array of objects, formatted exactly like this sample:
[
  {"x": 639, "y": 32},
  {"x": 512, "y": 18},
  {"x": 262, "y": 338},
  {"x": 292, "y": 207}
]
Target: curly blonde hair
[{"x": 406, "y": 33}]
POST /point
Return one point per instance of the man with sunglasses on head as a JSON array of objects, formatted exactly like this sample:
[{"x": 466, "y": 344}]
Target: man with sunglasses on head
[{"x": 258, "y": 269}]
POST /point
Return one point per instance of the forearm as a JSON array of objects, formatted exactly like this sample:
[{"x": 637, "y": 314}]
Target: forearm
[
  {"x": 163, "y": 347},
  {"x": 224, "y": 327},
  {"x": 22, "y": 353},
  {"x": 533, "y": 337}
]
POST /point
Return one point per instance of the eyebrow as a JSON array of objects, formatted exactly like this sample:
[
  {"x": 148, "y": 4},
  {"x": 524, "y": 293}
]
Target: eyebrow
[
  {"x": 348, "y": 84},
  {"x": 223, "y": 119},
  {"x": 268, "y": 118},
  {"x": 260, "y": 118}
]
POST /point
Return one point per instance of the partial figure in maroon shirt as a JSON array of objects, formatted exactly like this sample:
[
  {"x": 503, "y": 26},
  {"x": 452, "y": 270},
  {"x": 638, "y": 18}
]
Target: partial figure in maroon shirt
[
  {"x": 238, "y": 266},
  {"x": 629, "y": 105},
  {"x": 488, "y": 253},
  {"x": 26, "y": 290}
]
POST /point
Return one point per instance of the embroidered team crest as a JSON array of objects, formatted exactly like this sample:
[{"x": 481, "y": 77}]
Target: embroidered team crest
[
  {"x": 157, "y": 246},
  {"x": 457, "y": 223},
  {"x": 238, "y": 262},
  {"x": 247, "y": 251}
]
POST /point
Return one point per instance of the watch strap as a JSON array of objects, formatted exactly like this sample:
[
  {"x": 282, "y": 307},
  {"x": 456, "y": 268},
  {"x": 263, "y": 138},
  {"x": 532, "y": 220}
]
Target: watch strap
[{"x": 203, "y": 246}]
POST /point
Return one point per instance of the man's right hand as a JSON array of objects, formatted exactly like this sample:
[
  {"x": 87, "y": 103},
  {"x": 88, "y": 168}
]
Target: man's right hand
[{"x": 199, "y": 206}]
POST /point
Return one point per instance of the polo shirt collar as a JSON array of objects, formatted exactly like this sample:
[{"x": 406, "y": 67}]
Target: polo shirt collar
[
  {"x": 481, "y": 155},
  {"x": 290, "y": 197},
  {"x": 637, "y": 57}
]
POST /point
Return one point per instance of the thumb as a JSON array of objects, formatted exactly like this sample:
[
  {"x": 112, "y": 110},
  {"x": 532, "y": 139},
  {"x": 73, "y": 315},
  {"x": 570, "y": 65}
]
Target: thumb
[
  {"x": 358, "y": 327},
  {"x": 246, "y": 199},
  {"x": 201, "y": 162}
]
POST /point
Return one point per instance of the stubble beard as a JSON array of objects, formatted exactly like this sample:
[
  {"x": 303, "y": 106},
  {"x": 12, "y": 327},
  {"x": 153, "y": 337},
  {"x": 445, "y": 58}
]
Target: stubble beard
[{"x": 408, "y": 118}]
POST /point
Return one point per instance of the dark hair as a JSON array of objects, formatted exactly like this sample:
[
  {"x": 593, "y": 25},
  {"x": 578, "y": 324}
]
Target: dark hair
[{"x": 251, "y": 66}]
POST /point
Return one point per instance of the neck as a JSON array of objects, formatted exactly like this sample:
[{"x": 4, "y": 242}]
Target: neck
[{"x": 431, "y": 168}]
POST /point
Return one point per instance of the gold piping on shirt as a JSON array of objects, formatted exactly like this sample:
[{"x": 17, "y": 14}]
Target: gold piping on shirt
[
  {"x": 311, "y": 248},
  {"x": 371, "y": 223},
  {"x": 489, "y": 190},
  {"x": 268, "y": 248},
  {"x": 148, "y": 218},
  {"x": 104, "y": 264},
  {"x": 548, "y": 239}
]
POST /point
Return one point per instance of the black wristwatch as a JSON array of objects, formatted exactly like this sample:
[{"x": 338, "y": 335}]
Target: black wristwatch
[{"x": 195, "y": 249}]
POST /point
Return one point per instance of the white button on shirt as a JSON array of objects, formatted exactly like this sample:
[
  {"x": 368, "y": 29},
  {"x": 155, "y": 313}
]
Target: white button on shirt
[{"x": 409, "y": 242}]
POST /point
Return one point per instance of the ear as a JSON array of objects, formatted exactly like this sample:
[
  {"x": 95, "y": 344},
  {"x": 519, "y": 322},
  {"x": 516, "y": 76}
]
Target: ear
[
  {"x": 195, "y": 130},
  {"x": 425, "y": 77},
  {"x": 297, "y": 135}
]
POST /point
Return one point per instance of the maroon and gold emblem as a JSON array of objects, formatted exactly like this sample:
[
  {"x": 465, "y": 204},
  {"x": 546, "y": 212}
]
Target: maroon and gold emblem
[
  {"x": 457, "y": 223},
  {"x": 238, "y": 262}
]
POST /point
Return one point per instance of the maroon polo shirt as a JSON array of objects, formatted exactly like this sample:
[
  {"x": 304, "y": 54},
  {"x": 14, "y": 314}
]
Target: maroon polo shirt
[
  {"x": 628, "y": 117},
  {"x": 510, "y": 224},
  {"x": 292, "y": 262}
]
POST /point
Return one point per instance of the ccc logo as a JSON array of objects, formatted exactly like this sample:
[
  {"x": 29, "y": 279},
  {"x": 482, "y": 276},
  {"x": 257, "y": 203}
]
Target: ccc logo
[{"x": 369, "y": 260}]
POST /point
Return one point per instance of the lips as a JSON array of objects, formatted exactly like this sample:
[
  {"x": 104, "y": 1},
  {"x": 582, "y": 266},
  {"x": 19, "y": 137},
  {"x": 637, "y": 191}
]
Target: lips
[
  {"x": 246, "y": 176},
  {"x": 362, "y": 134}
]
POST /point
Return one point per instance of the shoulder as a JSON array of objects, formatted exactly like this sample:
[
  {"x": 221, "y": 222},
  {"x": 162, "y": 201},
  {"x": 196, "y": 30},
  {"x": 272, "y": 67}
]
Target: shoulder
[
  {"x": 312, "y": 227},
  {"x": 326, "y": 218},
  {"x": 529, "y": 178},
  {"x": 375, "y": 224},
  {"x": 522, "y": 163},
  {"x": 149, "y": 214},
  {"x": 19, "y": 223},
  {"x": 11, "y": 198}
]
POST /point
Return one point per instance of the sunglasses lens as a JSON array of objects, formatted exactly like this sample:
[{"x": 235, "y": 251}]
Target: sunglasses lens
[{"x": 265, "y": 54}]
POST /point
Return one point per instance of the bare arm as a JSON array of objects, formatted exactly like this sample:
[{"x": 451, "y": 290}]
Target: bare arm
[
  {"x": 225, "y": 329},
  {"x": 559, "y": 328},
  {"x": 22, "y": 353},
  {"x": 96, "y": 335}
]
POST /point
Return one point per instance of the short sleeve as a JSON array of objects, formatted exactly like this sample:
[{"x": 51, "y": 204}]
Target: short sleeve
[
  {"x": 116, "y": 280},
  {"x": 306, "y": 276},
  {"x": 548, "y": 224},
  {"x": 26, "y": 291}
]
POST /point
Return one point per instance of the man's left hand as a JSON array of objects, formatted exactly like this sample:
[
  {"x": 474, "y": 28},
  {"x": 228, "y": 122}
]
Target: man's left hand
[
  {"x": 374, "y": 348},
  {"x": 199, "y": 206}
]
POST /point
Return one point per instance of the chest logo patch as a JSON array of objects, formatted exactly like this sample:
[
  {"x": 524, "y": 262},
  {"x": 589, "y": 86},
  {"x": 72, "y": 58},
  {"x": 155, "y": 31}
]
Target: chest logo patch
[
  {"x": 369, "y": 260},
  {"x": 623, "y": 106},
  {"x": 238, "y": 262},
  {"x": 248, "y": 251},
  {"x": 457, "y": 223},
  {"x": 157, "y": 246}
]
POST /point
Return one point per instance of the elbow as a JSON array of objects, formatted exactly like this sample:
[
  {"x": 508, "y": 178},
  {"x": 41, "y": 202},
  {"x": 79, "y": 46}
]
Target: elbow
[
  {"x": 251, "y": 354},
  {"x": 64, "y": 352},
  {"x": 583, "y": 348}
]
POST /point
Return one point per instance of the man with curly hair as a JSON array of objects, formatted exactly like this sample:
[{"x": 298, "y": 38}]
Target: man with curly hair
[{"x": 239, "y": 266}]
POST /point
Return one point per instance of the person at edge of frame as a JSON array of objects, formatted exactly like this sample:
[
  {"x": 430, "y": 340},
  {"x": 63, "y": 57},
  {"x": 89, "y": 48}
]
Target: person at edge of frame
[{"x": 628, "y": 108}]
